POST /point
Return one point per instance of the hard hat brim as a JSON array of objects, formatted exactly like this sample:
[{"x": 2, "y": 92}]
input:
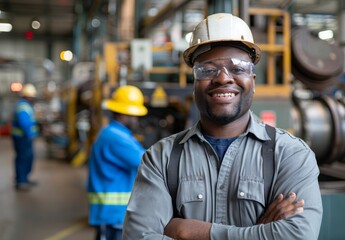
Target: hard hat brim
[
  {"x": 188, "y": 53},
  {"x": 130, "y": 110}
]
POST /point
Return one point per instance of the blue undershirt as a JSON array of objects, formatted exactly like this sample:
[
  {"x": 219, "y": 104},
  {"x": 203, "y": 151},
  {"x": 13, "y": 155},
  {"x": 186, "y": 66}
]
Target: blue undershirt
[{"x": 220, "y": 145}]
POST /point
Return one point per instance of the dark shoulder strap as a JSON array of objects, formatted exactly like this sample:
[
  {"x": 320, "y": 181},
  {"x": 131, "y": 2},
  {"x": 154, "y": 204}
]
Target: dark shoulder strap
[
  {"x": 173, "y": 169},
  {"x": 268, "y": 158}
]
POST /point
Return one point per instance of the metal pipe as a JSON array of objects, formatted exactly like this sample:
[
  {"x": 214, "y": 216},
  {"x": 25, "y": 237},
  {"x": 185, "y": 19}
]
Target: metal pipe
[{"x": 243, "y": 6}]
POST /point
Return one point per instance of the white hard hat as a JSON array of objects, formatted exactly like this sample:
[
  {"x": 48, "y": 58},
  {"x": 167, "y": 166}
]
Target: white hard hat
[
  {"x": 29, "y": 90},
  {"x": 220, "y": 28}
]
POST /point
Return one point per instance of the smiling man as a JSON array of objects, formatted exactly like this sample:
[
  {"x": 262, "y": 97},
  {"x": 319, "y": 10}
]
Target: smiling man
[{"x": 221, "y": 189}]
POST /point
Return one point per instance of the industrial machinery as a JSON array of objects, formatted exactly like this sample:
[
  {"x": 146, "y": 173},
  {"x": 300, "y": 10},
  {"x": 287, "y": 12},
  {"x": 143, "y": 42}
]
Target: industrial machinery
[{"x": 295, "y": 85}]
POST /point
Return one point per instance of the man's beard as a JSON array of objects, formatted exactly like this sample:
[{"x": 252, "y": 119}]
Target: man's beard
[{"x": 224, "y": 118}]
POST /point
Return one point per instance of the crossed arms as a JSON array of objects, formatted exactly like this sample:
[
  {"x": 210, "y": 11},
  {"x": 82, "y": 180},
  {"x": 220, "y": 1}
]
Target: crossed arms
[{"x": 190, "y": 229}]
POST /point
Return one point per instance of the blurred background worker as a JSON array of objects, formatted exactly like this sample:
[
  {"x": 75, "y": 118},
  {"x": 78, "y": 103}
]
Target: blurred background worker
[
  {"x": 24, "y": 131},
  {"x": 114, "y": 159}
]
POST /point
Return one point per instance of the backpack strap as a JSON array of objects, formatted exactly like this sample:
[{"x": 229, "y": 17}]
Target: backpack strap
[
  {"x": 267, "y": 153},
  {"x": 173, "y": 169}
]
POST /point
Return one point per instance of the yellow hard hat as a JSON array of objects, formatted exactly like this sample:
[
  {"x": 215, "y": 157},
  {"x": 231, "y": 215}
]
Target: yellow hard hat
[
  {"x": 220, "y": 28},
  {"x": 29, "y": 90},
  {"x": 128, "y": 100}
]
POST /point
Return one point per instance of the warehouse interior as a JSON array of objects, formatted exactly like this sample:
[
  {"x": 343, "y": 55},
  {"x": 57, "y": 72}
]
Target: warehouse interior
[{"x": 76, "y": 52}]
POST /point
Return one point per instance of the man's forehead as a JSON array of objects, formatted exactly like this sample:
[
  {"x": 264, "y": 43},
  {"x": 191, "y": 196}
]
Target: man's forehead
[{"x": 223, "y": 52}]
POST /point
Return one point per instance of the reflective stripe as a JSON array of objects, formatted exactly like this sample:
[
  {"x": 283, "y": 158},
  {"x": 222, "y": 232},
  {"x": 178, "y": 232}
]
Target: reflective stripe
[
  {"x": 109, "y": 198},
  {"x": 24, "y": 107},
  {"x": 17, "y": 131}
]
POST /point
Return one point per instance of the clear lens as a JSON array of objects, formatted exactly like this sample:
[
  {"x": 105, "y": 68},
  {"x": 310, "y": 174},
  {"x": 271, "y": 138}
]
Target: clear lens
[{"x": 210, "y": 70}]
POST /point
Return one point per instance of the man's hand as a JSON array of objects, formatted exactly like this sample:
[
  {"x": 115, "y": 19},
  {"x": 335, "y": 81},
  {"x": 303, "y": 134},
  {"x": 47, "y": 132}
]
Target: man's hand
[
  {"x": 282, "y": 208},
  {"x": 188, "y": 229}
]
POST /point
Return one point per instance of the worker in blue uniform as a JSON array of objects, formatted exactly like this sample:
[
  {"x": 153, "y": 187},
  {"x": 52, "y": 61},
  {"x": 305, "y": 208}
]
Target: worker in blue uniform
[
  {"x": 113, "y": 162},
  {"x": 24, "y": 130}
]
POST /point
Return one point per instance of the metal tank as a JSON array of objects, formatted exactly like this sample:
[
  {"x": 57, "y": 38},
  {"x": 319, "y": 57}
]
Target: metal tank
[{"x": 318, "y": 118}]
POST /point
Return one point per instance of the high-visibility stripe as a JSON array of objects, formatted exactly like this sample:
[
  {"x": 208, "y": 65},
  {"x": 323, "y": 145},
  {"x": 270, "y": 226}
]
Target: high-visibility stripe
[
  {"x": 24, "y": 107},
  {"x": 17, "y": 131},
  {"x": 112, "y": 198}
]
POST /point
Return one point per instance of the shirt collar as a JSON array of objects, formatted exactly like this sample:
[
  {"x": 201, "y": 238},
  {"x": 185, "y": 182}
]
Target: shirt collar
[{"x": 255, "y": 127}]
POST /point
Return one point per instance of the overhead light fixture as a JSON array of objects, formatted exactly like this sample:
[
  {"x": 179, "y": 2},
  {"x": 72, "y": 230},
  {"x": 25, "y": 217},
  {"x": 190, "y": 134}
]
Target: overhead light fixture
[
  {"x": 95, "y": 23},
  {"x": 35, "y": 24},
  {"x": 5, "y": 27},
  {"x": 66, "y": 55},
  {"x": 326, "y": 35},
  {"x": 152, "y": 12}
]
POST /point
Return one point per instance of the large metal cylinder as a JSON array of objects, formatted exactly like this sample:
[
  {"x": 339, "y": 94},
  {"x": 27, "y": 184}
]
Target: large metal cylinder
[
  {"x": 320, "y": 121},
  {"x": 315, "y": 62}
]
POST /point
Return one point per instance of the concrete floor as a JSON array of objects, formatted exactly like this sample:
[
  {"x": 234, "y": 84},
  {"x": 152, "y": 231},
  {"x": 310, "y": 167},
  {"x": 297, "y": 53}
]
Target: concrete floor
[{"x": 56, "y": 209}]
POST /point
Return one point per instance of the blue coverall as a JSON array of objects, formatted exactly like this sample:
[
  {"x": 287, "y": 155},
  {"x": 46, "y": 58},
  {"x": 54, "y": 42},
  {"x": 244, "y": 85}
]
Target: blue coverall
[
  {"x": 24, "y": 130},
  {"x": 113, "y": 165}
]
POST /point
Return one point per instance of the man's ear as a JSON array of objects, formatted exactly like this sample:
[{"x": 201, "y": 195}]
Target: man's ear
[{"x": 254, "y": 78}]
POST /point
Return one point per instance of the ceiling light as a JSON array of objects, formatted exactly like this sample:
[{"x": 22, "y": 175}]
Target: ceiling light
[
  {"x": 152, "y": 12},
  {"x": 35, "y": 24},
  {"x": 95, "y": 23},
  {"x": 5, "y": 27},
  {"x": 326, "y": 35},
  {"x": 66, "y": 56}
]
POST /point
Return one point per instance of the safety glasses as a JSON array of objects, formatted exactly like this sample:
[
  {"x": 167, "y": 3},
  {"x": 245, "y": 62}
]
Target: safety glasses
[{"x": 232, "y": 67}]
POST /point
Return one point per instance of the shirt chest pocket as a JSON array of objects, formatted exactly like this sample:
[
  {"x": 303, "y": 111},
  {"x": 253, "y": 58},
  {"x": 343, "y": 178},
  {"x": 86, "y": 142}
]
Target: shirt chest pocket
[
  {"x": 251, "y": 189},
  {"x": 251, "y": 201},
  {"x": 191, "y": 197}
]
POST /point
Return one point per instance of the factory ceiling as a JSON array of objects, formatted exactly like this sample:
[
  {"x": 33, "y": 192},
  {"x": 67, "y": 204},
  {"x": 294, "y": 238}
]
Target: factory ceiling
[{"x": 57, "y": 18}]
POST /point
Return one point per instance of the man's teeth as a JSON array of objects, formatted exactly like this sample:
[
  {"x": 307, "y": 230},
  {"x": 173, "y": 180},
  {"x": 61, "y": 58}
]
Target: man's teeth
[{"x": 224, "y": 95}]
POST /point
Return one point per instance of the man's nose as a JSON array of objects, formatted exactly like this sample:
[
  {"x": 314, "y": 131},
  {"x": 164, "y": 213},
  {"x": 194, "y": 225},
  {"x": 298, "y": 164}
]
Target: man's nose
[{"x": 224, "y": 75}]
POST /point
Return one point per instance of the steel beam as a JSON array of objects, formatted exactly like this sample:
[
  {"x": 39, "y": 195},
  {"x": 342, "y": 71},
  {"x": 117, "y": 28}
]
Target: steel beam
[{"x": 165, "y": 13}]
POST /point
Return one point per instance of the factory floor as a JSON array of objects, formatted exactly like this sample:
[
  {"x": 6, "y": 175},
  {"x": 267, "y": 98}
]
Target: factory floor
[{"x": 55, "y": 209}]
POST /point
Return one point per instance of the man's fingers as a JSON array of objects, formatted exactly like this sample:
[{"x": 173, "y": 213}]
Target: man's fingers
[
  {"x": 299, "y": 210},
  {"x": 276, "y": 201},
  {"x": 287, "y": 203},
  {"x": 299, "y": 203},
  {"x": 290, "y": 209},
  {"x": 268, "y": 216},
  {"x": 282, "y": 208}
]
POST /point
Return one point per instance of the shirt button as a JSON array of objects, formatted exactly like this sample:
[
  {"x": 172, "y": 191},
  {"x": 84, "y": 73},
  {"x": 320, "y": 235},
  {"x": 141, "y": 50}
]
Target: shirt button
[
  {"x": 200, "y": 196},
  {"x": 242, "y": 194}
]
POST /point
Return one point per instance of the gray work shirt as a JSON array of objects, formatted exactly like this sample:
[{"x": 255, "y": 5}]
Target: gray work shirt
[{"x": 228, "y": 194}]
